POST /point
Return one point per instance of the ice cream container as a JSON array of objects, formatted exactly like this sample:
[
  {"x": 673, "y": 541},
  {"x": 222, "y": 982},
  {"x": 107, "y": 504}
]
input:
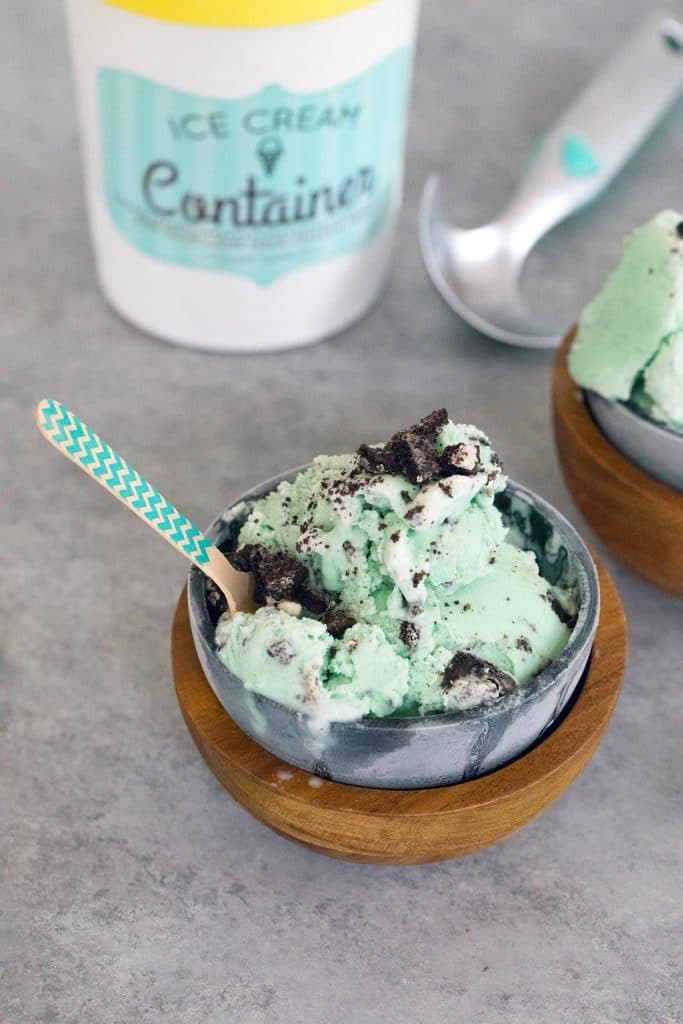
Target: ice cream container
[
  {"x": 430, "y": 750},
  {"x": 243, "y": 161}
]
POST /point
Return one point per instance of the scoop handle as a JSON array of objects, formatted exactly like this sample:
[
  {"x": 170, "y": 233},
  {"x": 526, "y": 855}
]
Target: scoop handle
[
  {"x": 599, "y": 132},
  {"x": 70, "y": 436}
]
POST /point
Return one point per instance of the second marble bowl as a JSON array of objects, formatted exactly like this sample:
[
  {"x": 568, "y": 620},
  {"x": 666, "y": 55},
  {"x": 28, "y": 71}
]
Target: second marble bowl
[
  {"x": 432, "y": 750},
  {"x": 654, "y": 447},
  {"x": 638, "y": 517}
]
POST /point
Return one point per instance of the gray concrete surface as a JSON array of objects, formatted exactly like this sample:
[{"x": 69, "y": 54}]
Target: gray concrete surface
[{"x": 134, "y": 889}]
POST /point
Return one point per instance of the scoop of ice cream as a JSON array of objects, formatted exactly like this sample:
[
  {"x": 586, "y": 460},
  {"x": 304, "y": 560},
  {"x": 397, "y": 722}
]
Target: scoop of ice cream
[
  {"x": 297, "y": 662},
  {"x": 628, "y": 346},
  {"x": 405, "y": 564},
  {"x": 660, "y": 395}
]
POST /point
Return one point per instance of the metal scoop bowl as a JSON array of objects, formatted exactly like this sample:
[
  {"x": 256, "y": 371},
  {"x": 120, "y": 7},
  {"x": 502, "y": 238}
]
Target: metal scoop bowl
[{"x": 478, "y": 271}]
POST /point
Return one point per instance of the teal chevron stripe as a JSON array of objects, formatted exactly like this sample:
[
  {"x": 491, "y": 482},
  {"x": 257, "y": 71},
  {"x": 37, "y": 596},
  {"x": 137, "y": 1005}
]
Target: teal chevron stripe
[
  {"x": 75, "y": 439},
  {"x": 178, "y": 535},
  {"x": 164, "y": 511},
  {"x": 152, "y": 513},
  {"x": 140, "y": 489},
  {"x": 204, "y": 545},
  {"x": 126, "y": 480},
  {"x": 48, "y": 414},
  {"x": 91, "y": 446},
  {"x": 114, "y": 470}
]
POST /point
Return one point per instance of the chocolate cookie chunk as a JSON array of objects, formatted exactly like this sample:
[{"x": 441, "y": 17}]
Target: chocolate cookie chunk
[
  {"x": 409, "y": 634},
  {"x": 412, "y": 453},
  {"x": 409, "y": 452},
  {"x": 282, "y": 575},
  {"x": 461, "y": 459},
  {"x": 277, "y": 574},
  {"x": 315, "y": 601},
  {"x": 431, "y": 425},
  {"x": 563, "y": 615},
  {"x": 377, "y": 460},
  {"x": 415, "y": 456},
  {"x": 244, "y": 558},
  {"x": 470, "y": 680},
  {"x": 215, "y": 600},
  {"x": 338, "y": 622},
  {"x": 282, "y": 652}
]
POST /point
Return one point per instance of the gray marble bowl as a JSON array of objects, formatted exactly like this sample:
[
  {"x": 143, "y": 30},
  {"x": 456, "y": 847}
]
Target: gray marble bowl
[
  {"x": 431, "y": 750},
  {"x": 653, "y": 446}
]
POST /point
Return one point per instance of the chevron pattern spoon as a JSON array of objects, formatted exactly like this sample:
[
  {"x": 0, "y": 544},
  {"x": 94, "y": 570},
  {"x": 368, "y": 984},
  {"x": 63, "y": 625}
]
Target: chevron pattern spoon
[{"x": 70, "y": 436}]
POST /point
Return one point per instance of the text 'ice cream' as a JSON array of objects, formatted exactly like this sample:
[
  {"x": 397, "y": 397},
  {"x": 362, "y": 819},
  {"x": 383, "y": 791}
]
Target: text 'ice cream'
[
  {"x": 388, "y": 584},
  {"x": 629, "y": 344}
]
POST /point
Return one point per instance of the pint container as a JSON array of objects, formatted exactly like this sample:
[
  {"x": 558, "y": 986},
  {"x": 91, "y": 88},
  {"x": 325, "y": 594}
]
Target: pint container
[{"x": 243, "y": 161}]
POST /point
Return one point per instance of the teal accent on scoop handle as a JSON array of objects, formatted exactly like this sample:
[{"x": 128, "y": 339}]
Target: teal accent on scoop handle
[
  {"x": 599, "y": 132},
  {"x": 74, "y": 439}
]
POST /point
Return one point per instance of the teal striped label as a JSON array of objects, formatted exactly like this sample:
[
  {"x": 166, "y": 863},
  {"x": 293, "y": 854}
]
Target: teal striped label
[{"x": 257, "y": 186}]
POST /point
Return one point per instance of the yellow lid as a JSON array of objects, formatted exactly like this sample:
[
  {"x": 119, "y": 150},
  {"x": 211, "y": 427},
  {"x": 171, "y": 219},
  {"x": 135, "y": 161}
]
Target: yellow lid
[{"x": 239, "y": 13}]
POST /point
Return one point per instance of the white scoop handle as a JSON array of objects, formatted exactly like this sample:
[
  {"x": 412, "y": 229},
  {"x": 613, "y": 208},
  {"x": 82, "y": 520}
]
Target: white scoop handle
[{"x": 599, "y": 132}]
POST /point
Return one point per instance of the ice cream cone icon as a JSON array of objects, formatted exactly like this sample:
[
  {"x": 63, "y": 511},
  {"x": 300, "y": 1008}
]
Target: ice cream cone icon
[{"x": 269, "y": 151}]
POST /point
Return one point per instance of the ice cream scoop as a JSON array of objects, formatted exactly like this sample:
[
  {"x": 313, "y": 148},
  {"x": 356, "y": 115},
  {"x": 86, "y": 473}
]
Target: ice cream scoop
[
  {"x": 70, "y": 436},
  {"x": 478, "y": 271}
]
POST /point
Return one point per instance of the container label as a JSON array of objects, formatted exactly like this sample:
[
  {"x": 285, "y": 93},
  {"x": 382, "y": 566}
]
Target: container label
[{"x": 257, "y": 186}]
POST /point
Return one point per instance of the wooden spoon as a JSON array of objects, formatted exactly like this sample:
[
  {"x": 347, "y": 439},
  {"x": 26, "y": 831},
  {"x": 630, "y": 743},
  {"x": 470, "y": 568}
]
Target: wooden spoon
[{"x": 63, "y": 429}]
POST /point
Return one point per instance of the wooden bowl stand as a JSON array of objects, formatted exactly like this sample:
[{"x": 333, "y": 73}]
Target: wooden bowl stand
[
  {"x": 637, "y": 517},
  {"x": 380, "y": 826}
]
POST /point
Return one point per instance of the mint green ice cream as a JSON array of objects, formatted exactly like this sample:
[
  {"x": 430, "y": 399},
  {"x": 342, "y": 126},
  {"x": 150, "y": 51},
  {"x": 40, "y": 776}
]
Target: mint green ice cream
[
  {"x": 660, "y": 395},
  {"x": 629, "y": 343},
  {"x": 440, "y": 612}
]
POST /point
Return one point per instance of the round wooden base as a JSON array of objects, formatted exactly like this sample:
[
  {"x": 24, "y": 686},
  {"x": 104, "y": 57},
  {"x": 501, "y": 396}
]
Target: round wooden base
[
  {"x": 381, "y": 826},
  {"x": 637, "y": 517}
]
